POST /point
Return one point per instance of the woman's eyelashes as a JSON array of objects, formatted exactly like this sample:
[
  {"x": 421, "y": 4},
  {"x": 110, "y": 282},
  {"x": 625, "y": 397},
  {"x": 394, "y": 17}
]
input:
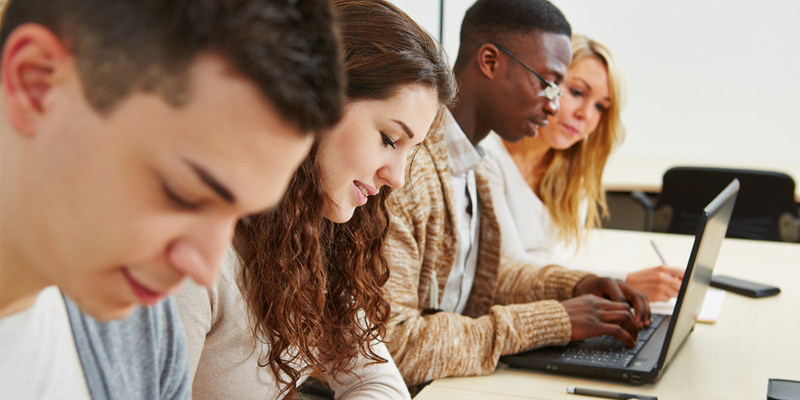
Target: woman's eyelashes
[
  {"x": 387, "y": 141},
  {"x": 579, "y": 93},
  {"x": 178, "y": 200}
]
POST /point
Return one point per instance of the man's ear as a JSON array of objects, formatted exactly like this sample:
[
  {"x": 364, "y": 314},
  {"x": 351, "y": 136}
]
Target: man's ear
[
  {"x": 34, "y": 60},
  {"x": 488, "y": 55}
]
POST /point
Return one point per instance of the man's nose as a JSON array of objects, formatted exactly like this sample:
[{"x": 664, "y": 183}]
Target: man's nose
[
  {"x": 551, "y": 107},
  {"x": 199, "y": 253}
]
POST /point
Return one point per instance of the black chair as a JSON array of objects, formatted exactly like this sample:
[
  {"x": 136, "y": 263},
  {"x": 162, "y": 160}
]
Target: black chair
[
  {"x": 632, "y": 211},
  {"x": 765, "y": 208}
]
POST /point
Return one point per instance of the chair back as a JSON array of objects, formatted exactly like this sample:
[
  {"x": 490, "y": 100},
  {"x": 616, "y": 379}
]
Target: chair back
[{"x": 766, "y": 200}]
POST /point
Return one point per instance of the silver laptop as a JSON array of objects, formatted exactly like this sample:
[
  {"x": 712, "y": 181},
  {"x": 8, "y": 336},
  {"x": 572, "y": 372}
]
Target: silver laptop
[{"x": 606, "y": 357}]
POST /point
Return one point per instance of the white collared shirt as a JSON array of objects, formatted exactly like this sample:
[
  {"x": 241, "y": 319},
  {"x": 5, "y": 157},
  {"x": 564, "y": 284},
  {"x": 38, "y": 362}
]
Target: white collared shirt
[{"x": 464, "y": 158}]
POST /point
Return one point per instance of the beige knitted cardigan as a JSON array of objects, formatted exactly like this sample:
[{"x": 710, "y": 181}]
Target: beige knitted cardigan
[{"x": 504, "y": 313}]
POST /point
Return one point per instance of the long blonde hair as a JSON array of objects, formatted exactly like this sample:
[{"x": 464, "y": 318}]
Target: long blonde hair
[{"x": 575, "y": 174}]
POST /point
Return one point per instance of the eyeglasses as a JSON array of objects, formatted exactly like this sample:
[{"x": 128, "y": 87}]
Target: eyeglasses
[{"x": 551, "y": 90}]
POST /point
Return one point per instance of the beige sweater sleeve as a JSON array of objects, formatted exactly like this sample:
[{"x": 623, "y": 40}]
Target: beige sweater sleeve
[
  {"x": 520, "y": 283},
  {"x": 427, "y": 347}
]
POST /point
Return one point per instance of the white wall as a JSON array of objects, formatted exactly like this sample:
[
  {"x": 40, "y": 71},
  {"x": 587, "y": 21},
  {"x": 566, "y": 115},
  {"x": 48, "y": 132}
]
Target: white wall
[
  {"x": 425, "y": 12},
  {"x": 706, "y": 78}
]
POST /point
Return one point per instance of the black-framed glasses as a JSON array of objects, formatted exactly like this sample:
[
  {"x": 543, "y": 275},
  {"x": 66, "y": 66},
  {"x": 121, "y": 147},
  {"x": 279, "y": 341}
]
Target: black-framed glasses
[{"x": 551, "y": 90}]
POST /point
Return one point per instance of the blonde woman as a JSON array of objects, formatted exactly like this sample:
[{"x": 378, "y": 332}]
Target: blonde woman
[{"x": 547, "y": 189}]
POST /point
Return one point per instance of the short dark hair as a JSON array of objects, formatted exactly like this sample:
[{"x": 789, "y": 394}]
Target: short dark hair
[
  {"x": 288, "y": 48},
  {"x": 488, "y": 19}
]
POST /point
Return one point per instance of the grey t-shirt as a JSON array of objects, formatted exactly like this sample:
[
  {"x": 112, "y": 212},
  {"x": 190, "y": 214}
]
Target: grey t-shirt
[{"x": 141, "y": 357}]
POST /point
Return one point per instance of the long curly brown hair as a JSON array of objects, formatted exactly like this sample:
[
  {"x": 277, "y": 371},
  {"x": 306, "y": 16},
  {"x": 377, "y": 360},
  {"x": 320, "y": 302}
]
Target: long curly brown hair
[{"x": 313, "y": 287}]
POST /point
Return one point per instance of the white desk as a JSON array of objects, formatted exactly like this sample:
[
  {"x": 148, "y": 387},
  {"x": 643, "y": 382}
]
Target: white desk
[
  {"x": 753, "y": 340},
  {"x": 628, "y": 173}
]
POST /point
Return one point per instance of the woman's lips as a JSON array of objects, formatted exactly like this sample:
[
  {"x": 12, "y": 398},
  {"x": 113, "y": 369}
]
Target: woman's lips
[
  {"x": 361, "y": 197},
  {"x": 571, "y": 129},
  {"x": 145, "y": 295}
]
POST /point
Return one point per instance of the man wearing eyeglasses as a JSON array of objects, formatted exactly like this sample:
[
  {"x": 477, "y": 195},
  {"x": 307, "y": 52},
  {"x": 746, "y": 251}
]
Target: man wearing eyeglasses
[{"x": 457, "y": 303}]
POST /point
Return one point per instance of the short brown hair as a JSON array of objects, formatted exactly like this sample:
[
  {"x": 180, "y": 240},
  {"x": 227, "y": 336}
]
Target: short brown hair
[{"x": 289, "y": 49}]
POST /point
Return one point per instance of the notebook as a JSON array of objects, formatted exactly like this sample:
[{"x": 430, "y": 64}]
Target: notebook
[{"x": 606, "y": 357}]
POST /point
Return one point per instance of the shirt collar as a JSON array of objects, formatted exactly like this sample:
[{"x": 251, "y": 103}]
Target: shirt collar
[{"x": 462, "y": 154}]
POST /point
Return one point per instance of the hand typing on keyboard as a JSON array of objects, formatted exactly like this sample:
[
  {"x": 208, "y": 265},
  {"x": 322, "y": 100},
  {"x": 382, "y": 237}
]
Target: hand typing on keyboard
[
  {"x": 616, "y": 290},
  {"x": 608, "y": 351},
  {"x": 592, "y": 316}
]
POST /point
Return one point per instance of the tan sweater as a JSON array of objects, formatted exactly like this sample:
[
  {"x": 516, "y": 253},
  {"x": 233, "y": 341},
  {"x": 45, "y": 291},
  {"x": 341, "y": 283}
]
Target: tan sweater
[
  {"x": 224, "y": 355},
  {"x": 504, "y": 313}
]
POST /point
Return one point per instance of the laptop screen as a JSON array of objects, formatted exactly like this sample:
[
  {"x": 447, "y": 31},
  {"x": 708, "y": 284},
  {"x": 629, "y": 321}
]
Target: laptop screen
[{"x": 708, "y": 240}]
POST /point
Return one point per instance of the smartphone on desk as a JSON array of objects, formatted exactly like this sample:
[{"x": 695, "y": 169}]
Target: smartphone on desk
[{"x": 743, "y": 287}]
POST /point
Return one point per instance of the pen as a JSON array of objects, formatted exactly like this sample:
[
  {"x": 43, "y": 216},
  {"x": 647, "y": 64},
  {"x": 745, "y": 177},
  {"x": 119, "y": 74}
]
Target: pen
[
  {"x": 608, "y": 395},
  {"x": 661, "y": 256}
]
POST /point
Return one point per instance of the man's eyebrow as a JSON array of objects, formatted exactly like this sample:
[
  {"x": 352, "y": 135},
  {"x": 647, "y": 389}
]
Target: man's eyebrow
[
  {"x": 405, "y": 128},
  {"x": 559, "y": 78},
  {"x": 212, "y": 182}
]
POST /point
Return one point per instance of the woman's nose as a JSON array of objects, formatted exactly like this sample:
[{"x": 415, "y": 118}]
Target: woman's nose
[{"x": 394, "y": 172}]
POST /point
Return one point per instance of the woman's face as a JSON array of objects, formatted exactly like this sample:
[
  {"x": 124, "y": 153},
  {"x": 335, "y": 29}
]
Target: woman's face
[
  {"x": 369, "y": 147},
  {"x": 585, "y": 100}
]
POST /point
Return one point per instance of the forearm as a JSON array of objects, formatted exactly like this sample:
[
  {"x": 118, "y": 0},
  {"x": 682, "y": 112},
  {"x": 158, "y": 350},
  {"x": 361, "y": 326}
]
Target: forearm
[
  {"x": 448, "y": 344},
  {"x": 518, "y": 283},
  {"x": 370, "y": 380}
]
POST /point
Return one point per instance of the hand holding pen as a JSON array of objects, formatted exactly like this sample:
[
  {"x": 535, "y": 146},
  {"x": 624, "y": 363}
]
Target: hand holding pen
[{"x": 659, "y": 283}]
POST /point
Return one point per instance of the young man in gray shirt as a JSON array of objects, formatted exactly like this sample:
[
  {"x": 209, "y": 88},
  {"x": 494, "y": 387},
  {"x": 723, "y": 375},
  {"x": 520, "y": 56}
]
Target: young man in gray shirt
[{"x": 134, "y": 134}]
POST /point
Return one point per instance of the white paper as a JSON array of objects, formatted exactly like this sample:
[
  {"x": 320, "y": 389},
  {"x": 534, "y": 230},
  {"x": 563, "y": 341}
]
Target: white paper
[{"x": 712, "y": 306}]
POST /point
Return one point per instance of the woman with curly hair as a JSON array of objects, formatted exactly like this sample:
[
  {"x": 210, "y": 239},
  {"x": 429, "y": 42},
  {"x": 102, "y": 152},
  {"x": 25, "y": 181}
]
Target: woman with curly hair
[
  {"x": 547, "y": 189},
  {"x": 301, "y": 292}
]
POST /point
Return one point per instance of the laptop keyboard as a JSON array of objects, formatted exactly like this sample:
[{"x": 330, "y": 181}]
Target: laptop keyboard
[{"x": 608, "y": 350}]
